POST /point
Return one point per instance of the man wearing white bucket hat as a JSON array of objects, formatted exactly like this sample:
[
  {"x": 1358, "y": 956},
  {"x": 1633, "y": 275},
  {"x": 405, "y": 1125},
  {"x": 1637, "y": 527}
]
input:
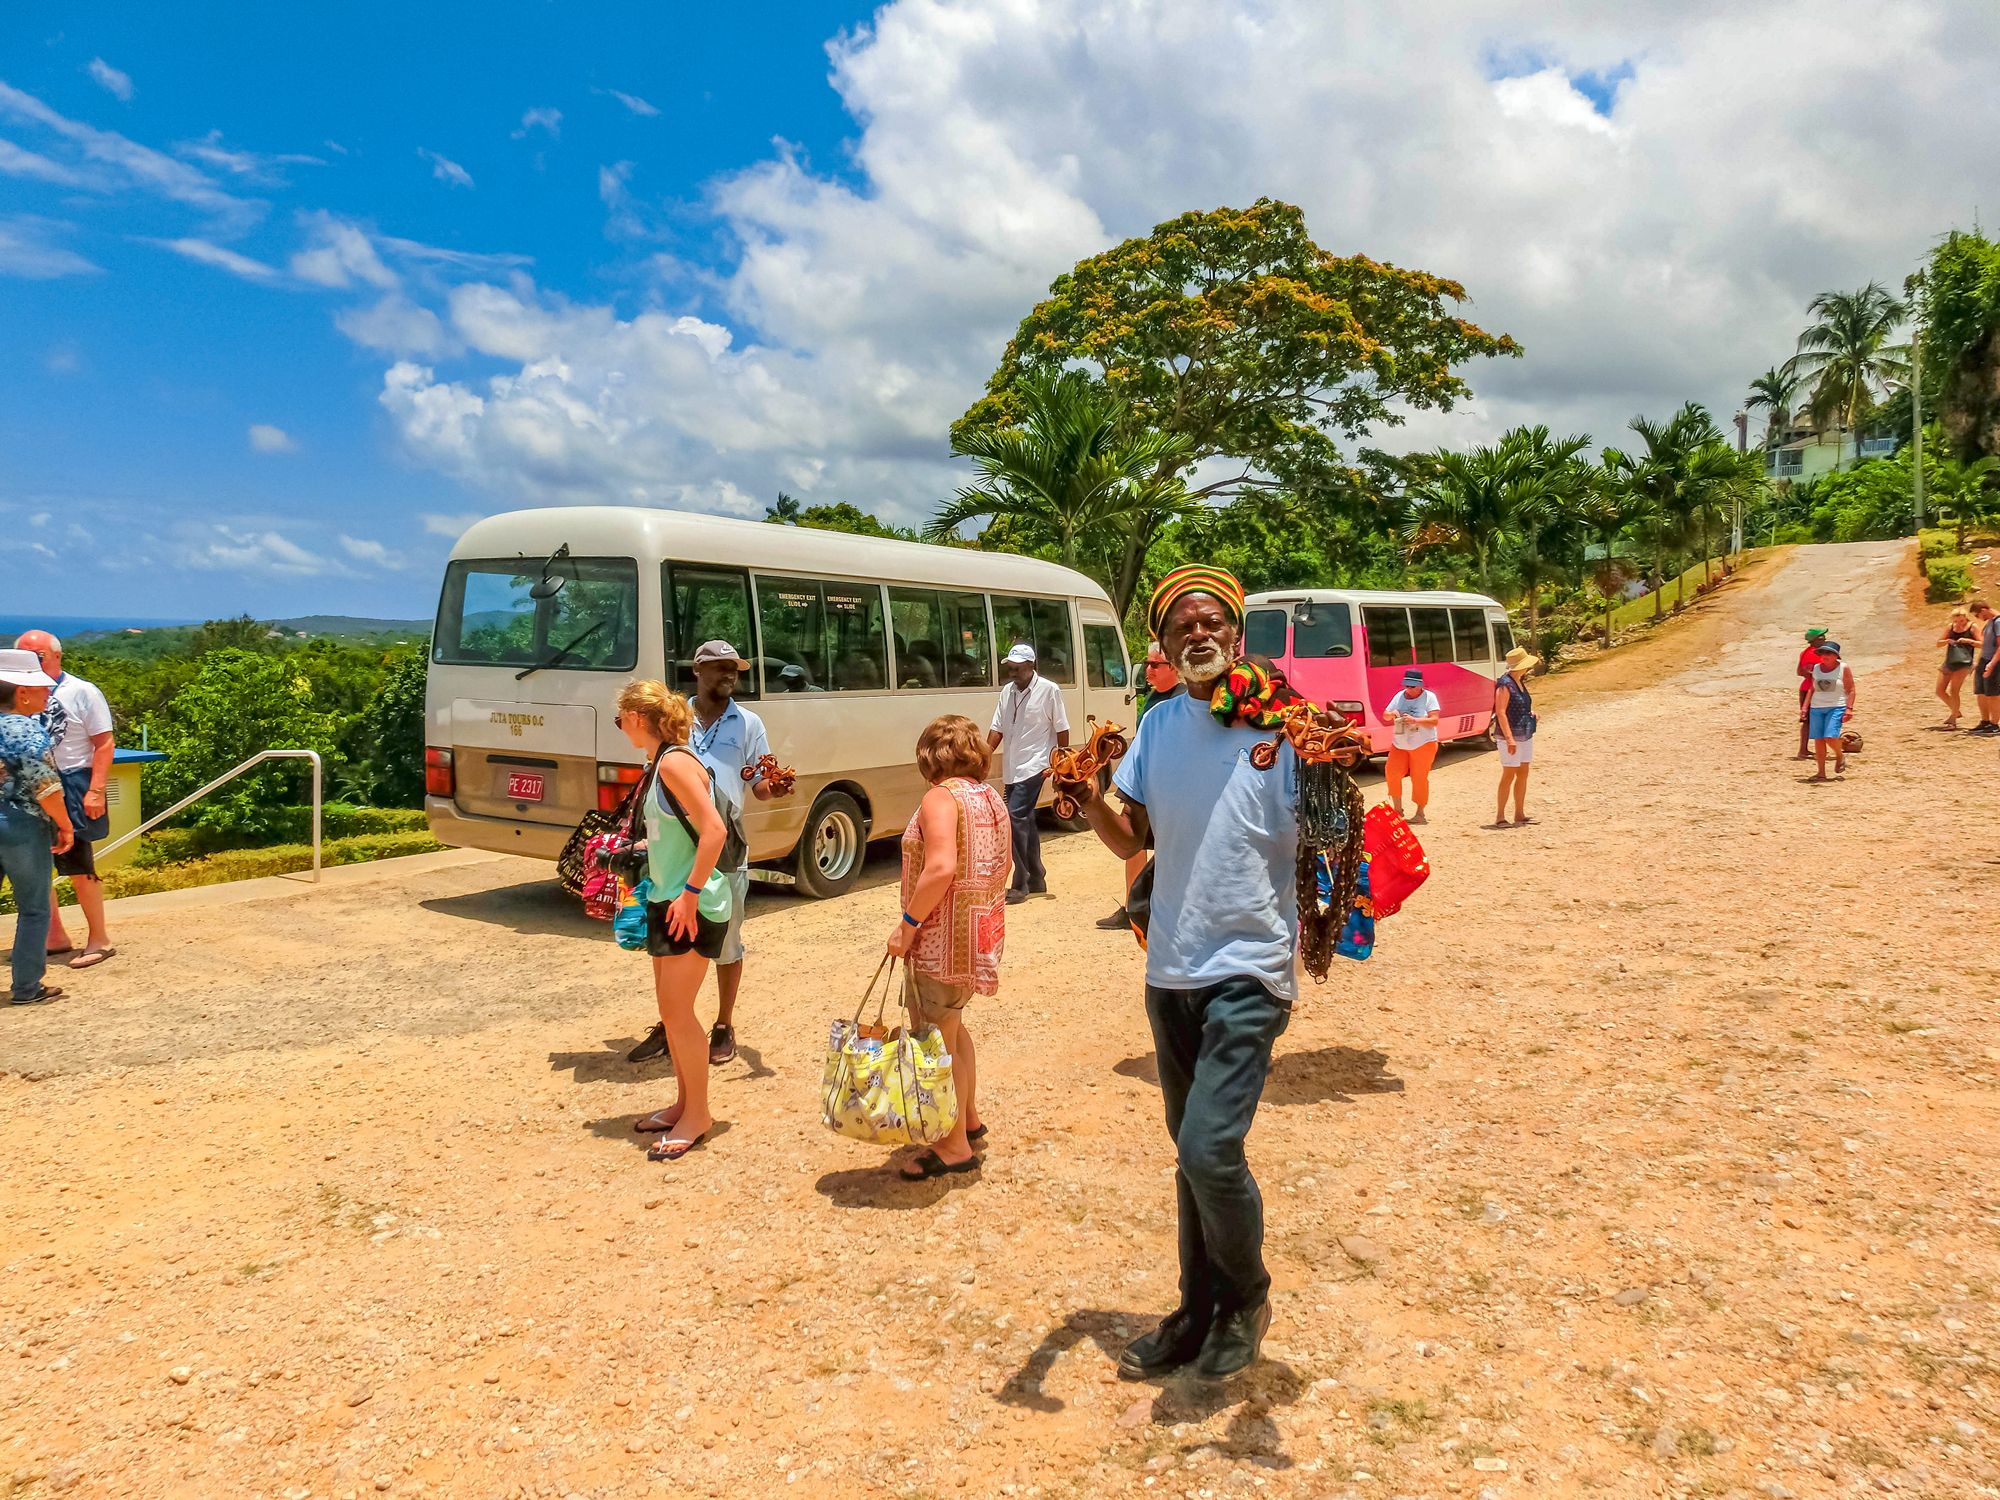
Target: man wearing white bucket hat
[
  {"x": 1029, "y": 723},
  {"x": 34, "y": 823}
]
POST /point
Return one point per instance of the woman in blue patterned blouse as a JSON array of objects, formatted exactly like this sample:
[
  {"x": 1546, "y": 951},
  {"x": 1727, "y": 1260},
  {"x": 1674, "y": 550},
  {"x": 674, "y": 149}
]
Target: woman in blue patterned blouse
[{"x": 34, "y": 823}]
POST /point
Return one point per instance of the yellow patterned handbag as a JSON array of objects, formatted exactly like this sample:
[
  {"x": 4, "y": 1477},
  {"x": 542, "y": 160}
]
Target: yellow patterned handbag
[{"x": 888, "y": 1086}]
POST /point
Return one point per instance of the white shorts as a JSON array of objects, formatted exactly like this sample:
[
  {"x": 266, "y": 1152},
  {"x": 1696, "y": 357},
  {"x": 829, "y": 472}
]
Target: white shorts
[{"x": 1522, "y": 754}]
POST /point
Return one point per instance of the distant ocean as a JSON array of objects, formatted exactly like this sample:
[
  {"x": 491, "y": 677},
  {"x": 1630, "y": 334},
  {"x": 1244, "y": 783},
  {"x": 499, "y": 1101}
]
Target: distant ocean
[{"x": 66, "y": 626}]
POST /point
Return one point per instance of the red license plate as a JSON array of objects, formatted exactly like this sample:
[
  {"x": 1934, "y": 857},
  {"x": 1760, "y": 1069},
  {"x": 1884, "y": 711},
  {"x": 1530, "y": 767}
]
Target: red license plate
[{"x": 524, "y": 786}]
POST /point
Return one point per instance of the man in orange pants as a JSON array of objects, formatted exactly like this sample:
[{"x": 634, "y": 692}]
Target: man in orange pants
[{"x": 1412, "y": 716}]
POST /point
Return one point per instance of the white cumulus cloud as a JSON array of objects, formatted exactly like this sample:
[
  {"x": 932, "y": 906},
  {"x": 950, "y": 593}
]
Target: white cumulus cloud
[
  {"x": 108, "y": 78},
  {"x": 541, "y": 118},
  {"x": 373, "y": 553},
  {"x": 338, "y": 254},
  {"x": 444, "y": 169},
  {"x": 27, "y": 250},
  {"x": 1657, "y": 247},
  {"x": 268, "y": 439},
  {"x": 634, "y": 103},
  {"x": 208, "y": 253},
  {"x": 129, "y": 162}
]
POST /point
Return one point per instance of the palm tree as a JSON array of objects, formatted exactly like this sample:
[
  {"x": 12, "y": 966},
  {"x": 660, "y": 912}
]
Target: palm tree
[
  {"x": 1661, "y": 477},
  {"x": 1071, "y": 479},
  {"x": 1466, "y": 501},
  {"x": 1775, "y": 390},
  {"x": 1607, "y": 506},
  {"x": 1847, "y": 354},
  {"x": 785, "y": 513},
  {"x": 1549, "y": 481},
  {"x": 1968, "y": 489}
]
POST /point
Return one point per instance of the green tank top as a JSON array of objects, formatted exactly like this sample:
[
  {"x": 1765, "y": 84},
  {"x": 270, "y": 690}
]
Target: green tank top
[{"x": 670, "y": 856}]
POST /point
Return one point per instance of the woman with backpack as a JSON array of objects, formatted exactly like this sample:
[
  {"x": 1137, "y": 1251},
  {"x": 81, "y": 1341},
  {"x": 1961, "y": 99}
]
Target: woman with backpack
[{"x": 688, "y": 910}]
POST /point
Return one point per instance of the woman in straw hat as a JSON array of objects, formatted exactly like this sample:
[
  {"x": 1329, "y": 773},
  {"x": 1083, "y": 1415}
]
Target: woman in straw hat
[
  {"x": 1514, "y": 714},
  {"x": 34, "y": 822}
]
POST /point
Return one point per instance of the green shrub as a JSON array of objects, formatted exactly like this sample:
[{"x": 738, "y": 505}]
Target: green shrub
[
  {"x": 1948, "y": 580},
  {"x": 1552, "y": 633},
  {"x": 288, "y": 825},
  {"x": 1795, "y": 532}
]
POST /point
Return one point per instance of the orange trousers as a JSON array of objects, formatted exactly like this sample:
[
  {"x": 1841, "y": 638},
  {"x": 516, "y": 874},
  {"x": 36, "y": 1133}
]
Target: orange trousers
[{"x": 1415, "y": 764}]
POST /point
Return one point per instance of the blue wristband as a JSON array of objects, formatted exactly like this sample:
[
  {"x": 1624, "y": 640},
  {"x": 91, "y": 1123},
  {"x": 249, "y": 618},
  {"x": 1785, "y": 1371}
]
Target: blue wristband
[
  {"x": 914, "y": 922},
  {"x": 692, "y": 889}
]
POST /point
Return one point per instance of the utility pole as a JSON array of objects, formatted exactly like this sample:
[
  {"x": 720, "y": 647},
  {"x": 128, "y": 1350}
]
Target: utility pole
[{"x": 1913, "y": 286}]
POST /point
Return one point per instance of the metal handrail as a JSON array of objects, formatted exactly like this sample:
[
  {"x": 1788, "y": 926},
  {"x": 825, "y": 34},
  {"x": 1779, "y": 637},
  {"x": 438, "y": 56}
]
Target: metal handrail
[{"x": 193, "y": 797}]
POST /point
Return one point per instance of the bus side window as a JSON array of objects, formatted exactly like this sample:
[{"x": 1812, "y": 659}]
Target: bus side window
[
  {"x": 708, "y": 604},
  {"x": 968, "y": 644},
  {"x": 1104, "y": 657},
  {"x": 857, "y": 642},
  {"x": 1468, "y": 628},
  {"x": 918, "y": 623},
  {"x": 1431, "y": 629},
  {"x": 1055, "y": 646},
  {"x": 792, "y": 625},
  {"x": 1503, "y": 635},
  {"x": 1388, "y": 627},
  {"x": 1013, "y": 622},
  {"x": 1264, "y": 633}
]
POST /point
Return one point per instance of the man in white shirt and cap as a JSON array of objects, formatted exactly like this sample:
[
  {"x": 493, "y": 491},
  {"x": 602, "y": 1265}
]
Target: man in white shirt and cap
[
  {"x": 1029, "y": 723},
  {"x": 78, "y": 721}
]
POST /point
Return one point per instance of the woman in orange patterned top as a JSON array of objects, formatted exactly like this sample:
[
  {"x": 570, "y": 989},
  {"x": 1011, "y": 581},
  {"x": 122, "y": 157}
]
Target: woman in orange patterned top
[{"x": 956, "y": 854}]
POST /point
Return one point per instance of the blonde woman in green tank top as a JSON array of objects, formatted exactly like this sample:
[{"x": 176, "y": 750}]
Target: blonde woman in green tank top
[{"x": 688, "y": 917}]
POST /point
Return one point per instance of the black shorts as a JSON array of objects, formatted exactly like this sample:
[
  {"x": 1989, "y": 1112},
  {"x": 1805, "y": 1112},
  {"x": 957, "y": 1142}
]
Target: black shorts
[
  {"x": 77, "y": 860},
  {"x": 709, "y": 935},
  {"x": 1986, "y": 679}
]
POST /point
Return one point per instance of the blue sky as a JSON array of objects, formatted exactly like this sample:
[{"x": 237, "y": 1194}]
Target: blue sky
[
  {"x": 289, "y": 295},
  {"x": 134, "y": 374}
]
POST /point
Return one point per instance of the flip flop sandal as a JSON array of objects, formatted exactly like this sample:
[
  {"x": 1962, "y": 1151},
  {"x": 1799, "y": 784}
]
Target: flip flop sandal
[
  {"x": 656, "y": 1121},
  {"x": 664, "y": 1150},
  {"x": 976, "y": 1135},
  {"x": 41, "y": 996},
  {"x": 90, "y": 958},
  {"x": 930, "y": 1165}
]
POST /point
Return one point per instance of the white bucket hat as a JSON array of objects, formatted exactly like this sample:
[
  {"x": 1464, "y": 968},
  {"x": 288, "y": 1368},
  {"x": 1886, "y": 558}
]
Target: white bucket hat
[{"x": 23, "y": 669}]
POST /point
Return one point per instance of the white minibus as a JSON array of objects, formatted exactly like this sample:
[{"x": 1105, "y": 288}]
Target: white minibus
[{"x": 855, "y": 644}]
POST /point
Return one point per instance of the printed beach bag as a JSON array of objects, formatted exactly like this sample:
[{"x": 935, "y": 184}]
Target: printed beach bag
[
  {"x": 889, "y": 1087},
  {"x": 600, "y": 884},
  {"x": 629, "y": 926}
]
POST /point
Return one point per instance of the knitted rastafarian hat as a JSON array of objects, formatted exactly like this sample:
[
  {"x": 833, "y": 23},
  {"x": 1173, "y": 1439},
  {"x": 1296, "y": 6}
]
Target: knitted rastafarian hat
[{"x": 1195, "y": 578}]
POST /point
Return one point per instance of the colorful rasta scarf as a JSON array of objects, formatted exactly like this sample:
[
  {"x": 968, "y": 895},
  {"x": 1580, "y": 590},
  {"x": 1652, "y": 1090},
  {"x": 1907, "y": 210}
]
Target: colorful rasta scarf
[
  {"x": 1195, "y": 578},
  {"x": 1254, "y": 696}
]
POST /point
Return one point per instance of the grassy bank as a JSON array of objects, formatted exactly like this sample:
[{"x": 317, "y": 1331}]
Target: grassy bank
[{"x": 249, "y": 864}]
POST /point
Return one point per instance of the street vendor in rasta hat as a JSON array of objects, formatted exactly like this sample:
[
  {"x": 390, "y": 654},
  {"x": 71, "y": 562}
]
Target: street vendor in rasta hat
[{"x": 1221, "y": 949}]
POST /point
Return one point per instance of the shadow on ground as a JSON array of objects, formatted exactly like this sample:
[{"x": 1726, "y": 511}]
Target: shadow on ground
[
  {"x": 1180, "y": 1397},
  {"x": 534, "y": 907},
  {"x": 1325, "y": 1075},
  {"x": 882, "y": 1186}
]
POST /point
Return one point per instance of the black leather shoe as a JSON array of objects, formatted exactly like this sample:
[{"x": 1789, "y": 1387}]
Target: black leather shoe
[
  {"x": 1177, "y": 1340},
  {"x": 651, "y": 1045},
  {"x": 1015, "y": 898},
  {"x": 1118, "y": 921},
  {"x": 1233, "y": 1343}
]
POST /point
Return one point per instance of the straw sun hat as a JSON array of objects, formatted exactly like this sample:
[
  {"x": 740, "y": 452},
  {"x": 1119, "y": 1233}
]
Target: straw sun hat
[{"x": 1522, "y": 660}]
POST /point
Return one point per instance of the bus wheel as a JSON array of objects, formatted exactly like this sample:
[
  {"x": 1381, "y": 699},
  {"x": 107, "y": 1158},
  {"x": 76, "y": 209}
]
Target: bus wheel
[{"x": 827, "y": 861}]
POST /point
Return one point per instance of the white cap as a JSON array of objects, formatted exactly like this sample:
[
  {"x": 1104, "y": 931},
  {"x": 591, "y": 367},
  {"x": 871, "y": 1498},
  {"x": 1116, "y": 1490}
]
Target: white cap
[
  {"x": 1021, "y": 652},
  {"x": 23, "y": 669}
]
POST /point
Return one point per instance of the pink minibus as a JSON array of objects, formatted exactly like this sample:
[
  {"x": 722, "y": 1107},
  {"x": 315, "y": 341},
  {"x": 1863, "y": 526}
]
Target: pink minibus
[{"x": 1350, "y": 648}]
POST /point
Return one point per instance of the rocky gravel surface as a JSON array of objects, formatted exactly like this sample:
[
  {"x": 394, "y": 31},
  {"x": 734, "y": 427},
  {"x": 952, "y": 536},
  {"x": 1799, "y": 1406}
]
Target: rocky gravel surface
[{"x": 1654, "y": 1153}]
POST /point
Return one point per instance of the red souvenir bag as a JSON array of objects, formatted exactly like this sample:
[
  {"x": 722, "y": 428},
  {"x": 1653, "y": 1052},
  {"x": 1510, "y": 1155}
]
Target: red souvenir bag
[{"x": 1396, "y": 862}]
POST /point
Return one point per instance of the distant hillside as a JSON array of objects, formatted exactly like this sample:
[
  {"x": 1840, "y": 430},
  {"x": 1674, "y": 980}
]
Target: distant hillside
[{"x": 351, "y": 625}]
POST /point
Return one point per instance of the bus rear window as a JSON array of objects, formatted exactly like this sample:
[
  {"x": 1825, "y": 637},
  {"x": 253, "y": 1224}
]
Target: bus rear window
[{"x": 489, "y": 617}]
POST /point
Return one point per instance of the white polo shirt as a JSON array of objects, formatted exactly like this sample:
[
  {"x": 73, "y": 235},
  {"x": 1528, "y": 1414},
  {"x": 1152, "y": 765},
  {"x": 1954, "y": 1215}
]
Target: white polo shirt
[
  {"x": 76, "y": 712},
  {"x": 1028, "y": 720}
]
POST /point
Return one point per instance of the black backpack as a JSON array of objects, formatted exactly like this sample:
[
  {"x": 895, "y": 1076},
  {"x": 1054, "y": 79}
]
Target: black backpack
[{"x": 735, "y": 848}]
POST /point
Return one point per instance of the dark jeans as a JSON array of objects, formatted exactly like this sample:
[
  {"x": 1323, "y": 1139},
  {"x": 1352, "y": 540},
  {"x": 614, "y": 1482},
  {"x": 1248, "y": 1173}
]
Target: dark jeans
[
  {"x": 1214, "y": 1050},
  {"x": 1021, "y": 797},
  {"x": 25, "y": 860}
]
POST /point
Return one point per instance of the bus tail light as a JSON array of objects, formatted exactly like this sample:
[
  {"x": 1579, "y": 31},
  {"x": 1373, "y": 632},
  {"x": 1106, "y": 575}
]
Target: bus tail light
[
  {"x": 613, "y": 783},
  {"x": 1354, "y": 711},
  {"x": 440, "y": 780}
]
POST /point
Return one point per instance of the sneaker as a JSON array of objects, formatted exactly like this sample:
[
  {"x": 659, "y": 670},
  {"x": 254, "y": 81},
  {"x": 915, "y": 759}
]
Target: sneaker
[
  {"x": 721, "y": 1045},
  {"x": 651, "y": 1045},
  {"x": 1986, "y": 726},
  {"x": 1118, "y": 921}
]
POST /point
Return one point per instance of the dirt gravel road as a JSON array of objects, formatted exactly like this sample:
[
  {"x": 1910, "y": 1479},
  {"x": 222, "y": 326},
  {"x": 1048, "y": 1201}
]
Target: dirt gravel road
[{"x": 1654, "y": 1153}]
